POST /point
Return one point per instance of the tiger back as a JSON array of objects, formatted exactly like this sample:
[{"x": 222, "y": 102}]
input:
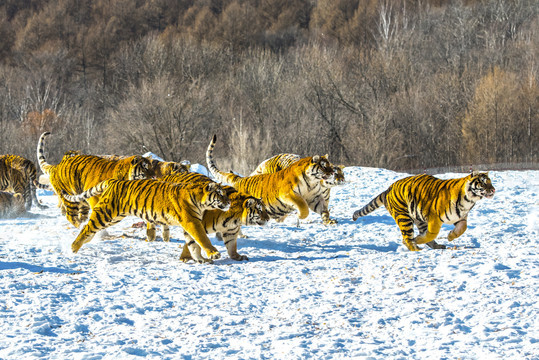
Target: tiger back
[
  {"x": 429, "y": 202},
  {"x": 275, "y": 163},
  {"x": 77, "y": 173},
  {"x": 28, "y": 178},
  {"x": 244, "y": 210},
  {"x": 154, "y": 201},
  {"x": 283, "y": 191},
  {"x": 11, "y": 205}
]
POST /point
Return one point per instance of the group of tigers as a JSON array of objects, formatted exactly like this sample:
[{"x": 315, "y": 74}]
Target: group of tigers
[{"x": 102, "y": 190}]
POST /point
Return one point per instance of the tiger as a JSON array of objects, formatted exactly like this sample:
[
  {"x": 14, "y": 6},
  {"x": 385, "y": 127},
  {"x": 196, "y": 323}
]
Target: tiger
[
  {"x": 429, "y": 202},
  {"x": 244, "y": 210},
  {"x": 164, "y": 168},
  {"x": 29, "y": 177},
  {"x": 77, "y": 173},
  {"x": 317, "y": 203},
  {"x": 11, "y": 205},
  {"x": 283, "y": 191},
  {"x": 160, "y": 168},
  {"x": 157, "y": 202}
]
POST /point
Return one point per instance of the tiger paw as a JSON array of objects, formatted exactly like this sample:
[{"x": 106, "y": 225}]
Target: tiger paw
[
  {"x": 330, "y": 222},
  {"x": 239, "y": 257},
  {"x": 75, "y": 247},
  {"x": 412, "y": 246},
  {"x": 214, "y": 255}
]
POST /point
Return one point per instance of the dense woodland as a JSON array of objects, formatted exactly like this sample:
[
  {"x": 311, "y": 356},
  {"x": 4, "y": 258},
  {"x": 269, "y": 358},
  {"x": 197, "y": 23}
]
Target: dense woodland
[{"x": 387, "y": 83}]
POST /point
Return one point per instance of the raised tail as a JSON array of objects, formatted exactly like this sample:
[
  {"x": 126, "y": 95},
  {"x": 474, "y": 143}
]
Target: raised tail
[
  {"x": 219, "y": 175},
  {"x": 94, "y": 191},
  {"x": 371, "y": 206},
  {"x": 43, "y": 165}
]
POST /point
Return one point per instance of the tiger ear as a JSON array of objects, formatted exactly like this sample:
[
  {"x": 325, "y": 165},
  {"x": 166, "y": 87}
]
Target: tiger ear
[
  {"x": 475, "y": 172},
  {"x": 211, "y": 186},
  {"x": 316, "y": 159},
  {"x": 249, "y": 203}
]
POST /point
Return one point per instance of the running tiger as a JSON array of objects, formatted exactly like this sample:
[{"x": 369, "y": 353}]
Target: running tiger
[
  {"x": 283, "y": 191},
  {"x": 11, "y": 205},
  {"x": 28, "y": 180},
  {"x": 244, "y": 210},
  {"x": 157, "y": 202},
  {"x": 428, "y": 203},
  {"x": 317, "y": 203},
  {"x": 77, "y": 173}
]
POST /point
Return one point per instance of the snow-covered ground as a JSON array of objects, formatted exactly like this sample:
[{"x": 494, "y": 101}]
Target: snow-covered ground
[{"x": 308, "y": 292}]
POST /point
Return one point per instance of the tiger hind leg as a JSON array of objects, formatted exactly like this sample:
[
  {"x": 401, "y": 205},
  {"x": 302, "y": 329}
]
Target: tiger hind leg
[
  {"x": 406, "y": 226},
  {"x": 423, "y": 227},
  {"x": 430, "y": 235},
  {"x": 150, "y": 231},
  {"x": 99, "y": 220}
]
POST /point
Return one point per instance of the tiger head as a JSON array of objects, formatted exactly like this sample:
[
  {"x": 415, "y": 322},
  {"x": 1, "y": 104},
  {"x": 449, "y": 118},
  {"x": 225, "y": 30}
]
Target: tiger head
[
  {"x": 215, "y": 197},
  {"x": 480, "y": 185},
  {"x": 163, "y": 168},
  {"x": 320, "y": 168},
  {"x": 337, "y": 178},
  {"x": 254, "y": 212},
  {"x": 140, "y": 168}
]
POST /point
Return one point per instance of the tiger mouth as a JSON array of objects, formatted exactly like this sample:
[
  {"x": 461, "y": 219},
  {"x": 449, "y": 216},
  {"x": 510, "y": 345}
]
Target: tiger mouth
[{"x": 223, "y": 207}]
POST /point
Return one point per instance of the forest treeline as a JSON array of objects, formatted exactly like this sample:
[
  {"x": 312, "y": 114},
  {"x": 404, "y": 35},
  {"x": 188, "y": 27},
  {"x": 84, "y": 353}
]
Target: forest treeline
[{"x": 398, "y": 84}]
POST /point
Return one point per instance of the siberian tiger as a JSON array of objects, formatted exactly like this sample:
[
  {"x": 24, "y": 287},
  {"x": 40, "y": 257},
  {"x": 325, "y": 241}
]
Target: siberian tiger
[
  {"x": 244, "y": 210},
  {"x": 317, "y": 203},
  {"x": 428, "y": 203},
  {"x": 77, "y": 173},
  {"x": 157, "y": 202},
  {"x": 283, "y": 191},
  {"x": 164, "y": 168},
  {"x": 11, "y": 205},
  {"x": 159, "y": 168},
  {"x": 28, "y": 181}
]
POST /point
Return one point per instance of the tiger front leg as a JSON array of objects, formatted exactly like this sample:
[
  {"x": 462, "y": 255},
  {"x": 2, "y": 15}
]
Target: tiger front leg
[
  {"x": 320, "y": 206},
  {"x": 231, "y": 243},
  {"x": 299, "y": 203},
  {"x": 191, "y": 251},
  {"x": 326, "y": 220},
  {"x": 460, "y": 228},
  {"x": 198, "y": 234}
]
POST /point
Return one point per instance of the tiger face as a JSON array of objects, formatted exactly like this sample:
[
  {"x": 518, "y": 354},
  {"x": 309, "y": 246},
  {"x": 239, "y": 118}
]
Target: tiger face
[
  {"x": 337, "y": 178},
  {"x": 254, "y": 212},
  {"x": 140, "y": 168},
  {"x": 215, "y": 197},
  {"x": 481, "y": 185},
  {"x": 320, "y": 168}
]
